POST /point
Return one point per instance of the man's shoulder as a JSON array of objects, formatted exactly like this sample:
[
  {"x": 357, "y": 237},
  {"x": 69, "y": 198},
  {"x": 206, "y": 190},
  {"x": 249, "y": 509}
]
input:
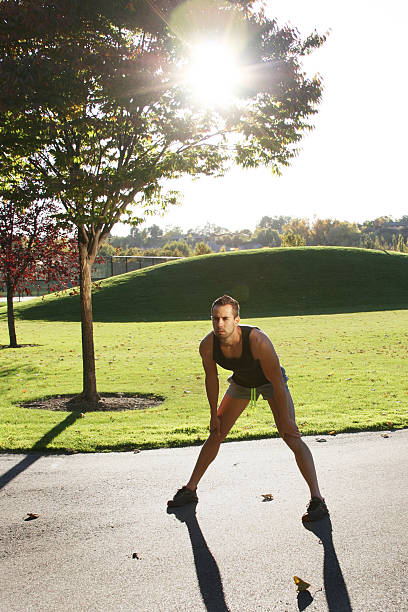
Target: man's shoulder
[
  {"x": 253, "y": 331},
  {"x": 256, "y": 332},
  {"x": 206, "y": 343},
  {"x": 258, "y": 337}
]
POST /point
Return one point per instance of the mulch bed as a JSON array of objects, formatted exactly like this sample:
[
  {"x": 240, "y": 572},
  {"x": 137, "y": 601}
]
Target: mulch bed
[{"x": 108, "y": 402}]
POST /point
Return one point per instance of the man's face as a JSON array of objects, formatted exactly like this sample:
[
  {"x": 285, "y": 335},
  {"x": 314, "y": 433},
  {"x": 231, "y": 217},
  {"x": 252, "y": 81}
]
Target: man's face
[{"x": 223, "y": 321}]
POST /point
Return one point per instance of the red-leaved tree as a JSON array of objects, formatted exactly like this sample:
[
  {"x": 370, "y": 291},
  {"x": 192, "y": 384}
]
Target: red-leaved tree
[{"x": 34, "y": 248}]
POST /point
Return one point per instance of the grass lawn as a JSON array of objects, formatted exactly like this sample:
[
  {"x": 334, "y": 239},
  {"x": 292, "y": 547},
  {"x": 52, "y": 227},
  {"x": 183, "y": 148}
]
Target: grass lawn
[{"x": 347, "y": 373}]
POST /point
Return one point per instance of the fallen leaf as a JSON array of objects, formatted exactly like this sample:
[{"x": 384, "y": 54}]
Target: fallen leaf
[
  {"x": 332, "y": 433},
  {"x": 136, "y": 450},
  {"x": 31, "y": 516},
  {"x": 301, "y": 584},
  {"x": 320, "y": 439},
  {"x": 267, "y": 496},
  {"x": 385, "y": 436}
]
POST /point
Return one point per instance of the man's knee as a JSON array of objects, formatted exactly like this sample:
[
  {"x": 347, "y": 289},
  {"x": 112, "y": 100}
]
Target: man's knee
[
  {"x": 293, "y": 440},
  {"x": 214, "y": 438}
]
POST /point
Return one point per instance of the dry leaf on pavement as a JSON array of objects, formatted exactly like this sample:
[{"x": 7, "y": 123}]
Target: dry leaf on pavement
[{"x": 301, "y": 584}]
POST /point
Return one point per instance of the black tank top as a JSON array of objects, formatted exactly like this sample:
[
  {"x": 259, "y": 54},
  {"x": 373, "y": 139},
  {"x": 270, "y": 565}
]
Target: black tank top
[{"x": 247, "y": 370}]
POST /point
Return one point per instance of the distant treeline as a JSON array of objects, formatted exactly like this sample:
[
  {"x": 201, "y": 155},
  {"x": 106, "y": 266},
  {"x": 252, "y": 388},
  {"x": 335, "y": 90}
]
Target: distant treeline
[{"x": 381, "y": 233}]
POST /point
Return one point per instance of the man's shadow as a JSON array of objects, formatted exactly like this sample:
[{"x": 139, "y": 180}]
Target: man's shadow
[
  {"x": 208, "y": 574},
  {"x": 335, "y": 588}
]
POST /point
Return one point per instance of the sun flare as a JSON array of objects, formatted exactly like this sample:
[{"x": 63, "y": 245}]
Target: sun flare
[{"x": 213, "y": 74}]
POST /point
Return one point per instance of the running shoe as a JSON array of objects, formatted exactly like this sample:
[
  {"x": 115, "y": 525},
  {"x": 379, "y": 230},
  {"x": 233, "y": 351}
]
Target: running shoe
[
  {"x": 182, "y": 497},
  {"x": 316, "y": 509}
]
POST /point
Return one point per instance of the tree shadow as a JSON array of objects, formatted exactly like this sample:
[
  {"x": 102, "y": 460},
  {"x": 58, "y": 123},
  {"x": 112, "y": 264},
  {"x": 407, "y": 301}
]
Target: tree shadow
[
  {"x": 7, "y": 346},
  {"x": 208, "y": 574},
  {"x": 36, "y": 454},
  {"x": 334, "y": 585},
  {"x": 10, "y": 371}
]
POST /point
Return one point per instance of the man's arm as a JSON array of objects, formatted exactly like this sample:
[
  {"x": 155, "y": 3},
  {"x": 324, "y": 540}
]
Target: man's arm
[
  {"x": 262, "y": 349},
  {"x": 211, "y": 380}
]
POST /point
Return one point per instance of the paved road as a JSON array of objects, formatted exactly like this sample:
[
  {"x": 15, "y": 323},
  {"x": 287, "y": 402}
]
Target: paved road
[{"x": 231, "y": 552}]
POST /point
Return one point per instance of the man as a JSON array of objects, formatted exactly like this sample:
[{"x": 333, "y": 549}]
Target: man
[{"x": 249, "y": 353}]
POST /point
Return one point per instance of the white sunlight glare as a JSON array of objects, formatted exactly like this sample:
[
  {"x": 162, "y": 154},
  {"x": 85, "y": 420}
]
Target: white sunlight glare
[{"x": 214, "y": 74}]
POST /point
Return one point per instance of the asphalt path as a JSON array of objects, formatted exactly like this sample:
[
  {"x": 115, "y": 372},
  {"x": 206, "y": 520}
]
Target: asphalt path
[{"x": 104, "y": 541}]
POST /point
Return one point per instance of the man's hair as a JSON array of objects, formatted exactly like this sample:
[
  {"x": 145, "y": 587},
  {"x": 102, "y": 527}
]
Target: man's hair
[{"x": 224, "y": 300}]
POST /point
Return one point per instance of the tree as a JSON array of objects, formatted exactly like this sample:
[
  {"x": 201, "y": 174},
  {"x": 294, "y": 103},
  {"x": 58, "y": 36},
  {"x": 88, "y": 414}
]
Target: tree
[
  {"x": 267, "y": 237},
  {"x": 343, "y": 233},
  {"x": 368, "y": 241},
  {"x": 137, "y": 237},
  {"x": 401, "y": 247},
  {"x": 108, "y": 250},
  {"x": 151, "y": 253},
  {"x": 155, "y": 236},
  {"x": 202, "y": 248},
  {"x": 33, "y": 248},
  {"x": 276, "y": 223},
  {"x": 290, "y": 239},
  {"x": 176, "y": 248},
  {"x": 299, "y": 227},
  {"x": 319, "y": 231},
  {"x": 96, "y": 102},
  {"x": 173, "y": 233},
  {"x": 132, "y": 251},
  {"x": 212, "y": 231}
]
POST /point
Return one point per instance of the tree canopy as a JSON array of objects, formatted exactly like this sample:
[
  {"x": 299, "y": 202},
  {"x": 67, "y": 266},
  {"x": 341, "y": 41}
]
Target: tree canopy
[
  {"x": 98, "y": 104},
  {"x": 96, "y": 95}
]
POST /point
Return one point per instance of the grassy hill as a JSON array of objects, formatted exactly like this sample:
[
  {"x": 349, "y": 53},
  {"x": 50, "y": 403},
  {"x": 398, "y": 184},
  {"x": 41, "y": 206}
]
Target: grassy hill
[{"x": 267, "y": 282}]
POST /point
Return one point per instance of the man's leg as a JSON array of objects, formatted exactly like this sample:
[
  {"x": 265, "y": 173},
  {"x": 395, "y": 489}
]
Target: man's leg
[
  {"x": 302, "y": 453},
  {"x": 228, "y": 412}
]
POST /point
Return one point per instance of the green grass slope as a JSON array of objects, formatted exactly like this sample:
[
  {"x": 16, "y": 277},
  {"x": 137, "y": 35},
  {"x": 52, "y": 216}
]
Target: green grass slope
[{"x": 267, "y": 282}]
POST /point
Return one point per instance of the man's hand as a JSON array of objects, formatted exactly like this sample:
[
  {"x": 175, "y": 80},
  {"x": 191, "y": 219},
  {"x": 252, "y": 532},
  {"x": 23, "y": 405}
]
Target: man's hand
[{"x": 215, "y": 425}]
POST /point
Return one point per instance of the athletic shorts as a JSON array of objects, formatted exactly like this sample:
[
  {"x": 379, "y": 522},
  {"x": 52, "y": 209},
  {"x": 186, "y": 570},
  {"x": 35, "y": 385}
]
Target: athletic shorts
[{"x": 267, "y": 391}]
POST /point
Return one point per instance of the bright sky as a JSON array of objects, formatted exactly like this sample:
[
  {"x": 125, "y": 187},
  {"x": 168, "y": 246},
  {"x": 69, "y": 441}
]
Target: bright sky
[{"x": 353, "y": 166}]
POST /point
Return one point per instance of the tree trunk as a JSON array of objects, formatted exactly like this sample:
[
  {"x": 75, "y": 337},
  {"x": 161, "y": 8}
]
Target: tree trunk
[
  {"x": 89, "y": 392},
  {"x": 10, "y": 314}
]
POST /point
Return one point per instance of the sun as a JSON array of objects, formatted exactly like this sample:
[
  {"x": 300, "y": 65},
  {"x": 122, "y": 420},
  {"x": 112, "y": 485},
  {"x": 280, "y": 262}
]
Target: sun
[{"x": 213, "y": 74}]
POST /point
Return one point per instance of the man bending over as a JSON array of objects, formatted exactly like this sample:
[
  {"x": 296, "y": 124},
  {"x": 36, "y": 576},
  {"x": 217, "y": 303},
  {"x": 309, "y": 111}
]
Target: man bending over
[{"x": 249, "y": 353}]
